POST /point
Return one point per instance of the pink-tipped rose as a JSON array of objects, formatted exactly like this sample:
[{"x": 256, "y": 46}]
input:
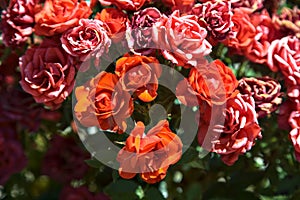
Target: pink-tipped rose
[
  {"x": 181, "y": 39},
  {"x": 88, "y": 39}
]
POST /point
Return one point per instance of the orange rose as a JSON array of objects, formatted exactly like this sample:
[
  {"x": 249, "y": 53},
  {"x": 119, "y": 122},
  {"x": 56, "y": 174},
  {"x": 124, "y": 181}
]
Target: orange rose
[
  {"x": 243, "y": 31},
  {"x": 102, "y": 102},
  {"x": 59, "y": 15},
  {"x": 182, "y": 5},
  {"x": 130, "y": 5},
  {"x": 139, "y": 74},
  {"x": 116, "y": 22},
  {"x": 213, "y": 82},
  {"x": 151, "y": 154}
]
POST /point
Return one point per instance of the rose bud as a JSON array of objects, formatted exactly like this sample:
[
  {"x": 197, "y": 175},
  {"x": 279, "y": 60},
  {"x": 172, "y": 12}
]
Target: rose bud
[
  {"x": 139, "y": 31},
  {"x": 215, "y": 16},
  {"x": 86, "y": 40},
  {"x": 265, "y": 91},
  {"x": 48, "y": 73},
  {"x": 56, "y": 17},
  {"x": 102, "y": 102},
  {"x": 17, "y": 22},
  {"x": 149, "y": 154}
]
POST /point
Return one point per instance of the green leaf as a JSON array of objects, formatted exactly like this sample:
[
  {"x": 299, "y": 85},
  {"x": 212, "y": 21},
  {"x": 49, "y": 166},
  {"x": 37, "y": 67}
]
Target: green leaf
[
  {"x": 123, "y": 189},
  {"x": 94, "y": 163},
  {"x": 153, "y": 193}
]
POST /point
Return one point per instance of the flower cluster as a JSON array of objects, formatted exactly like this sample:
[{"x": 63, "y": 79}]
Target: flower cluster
[{"x": 57, "y": 40}]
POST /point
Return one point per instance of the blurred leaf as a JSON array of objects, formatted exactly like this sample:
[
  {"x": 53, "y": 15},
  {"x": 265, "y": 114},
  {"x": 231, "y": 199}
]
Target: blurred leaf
[
  {"x": 94, "y": 163},
  {"x": 189, "y": 155},
  {"x": 153, "y": 193},
  {"x": 123, "y": 189},
  {"x": 289, "y": 184}
]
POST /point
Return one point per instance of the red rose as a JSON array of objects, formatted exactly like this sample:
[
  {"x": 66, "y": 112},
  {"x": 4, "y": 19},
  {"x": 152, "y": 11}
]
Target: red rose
[
  {"x": 181, "y": 39},
  {"x": 238, "y": 133},
  {"x": 139, "y": 74},
  {"x": 288, "y": 21},
  {"x": 215, "y": 16},
  {"x": 87, "y": 39},
  {"x": 284, "y": 55},
  {"x": 64, "y": 161},
  {"x": 48, "y": 73},
  {"x": 181, "y": 5},
  {"x": 17, "y": 22},
  {"x": 57, "y": 16},
  {"x": 294, "y": 122},
  {"x": 243, "y": 31},
  {"x": 285, "y": 109},
  {"x": 213, "y": 82},
  {"x": 115, "y": 21},
  {"x": 265, "y": 91},
  {"x": 150, "y": 154},
  {"x": 102, "y": 102},
  {"x": 266, "y": 32},
  {"x": 129, "y": 5}
]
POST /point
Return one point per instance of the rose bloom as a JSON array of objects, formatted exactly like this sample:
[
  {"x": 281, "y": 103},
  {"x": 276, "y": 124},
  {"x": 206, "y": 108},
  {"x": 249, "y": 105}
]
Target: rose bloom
[
  {"x": 288, "y": 21},
  {"x": 115, "y": 21},
  {"x": 181, "y": 5},
  {"x": 102, "y": 102},
  {"x": 249, "y": 4},
  {"x": 128, "y": 5},
  {"x": 285, "y": 110},
  {"x": 265, "y": 91},
  {"x": 243, "y": 32},
  {"x": 87, "y": 39},
  {"x": 48, "y": 73},
  {"x": 17, "y": 22},
  {"x": 213, "y": 82},
  {"x": 294, "y": 122},
  {"x": 181, "y": 39},
  {"x": 80, "y": 193},
  {"x": 150, "y": 154},
  {"x": 215, "y": 16},
  {"x": 238, "y": 133},
  {"x": 64, "y": 160},
  {"x": 13, "y": 157},
  {"x": 284, "y": 55},
  {"x": 57, "y": 16},
  {"x": 266, "y": 32},
  {"x": 139, "y": 74},
  {"x": 139, "y": 31}
]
